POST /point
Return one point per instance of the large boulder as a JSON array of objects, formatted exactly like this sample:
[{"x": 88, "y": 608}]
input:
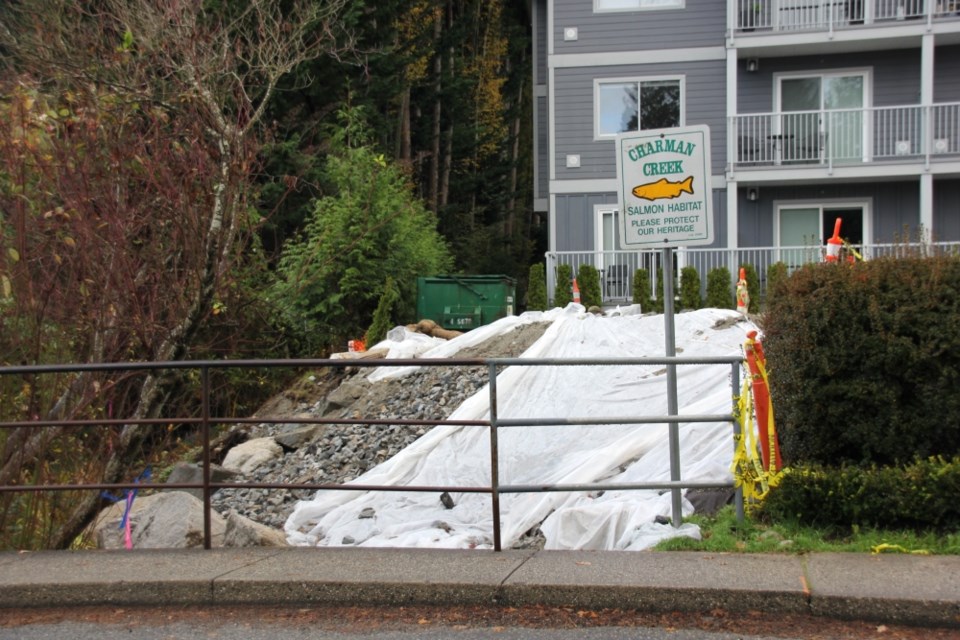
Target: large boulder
[
  {"x": 251, "y": 454},
  {"x": 293, "y": 436},
  {"x": 165, "y": 520},
  {"x": 192, "y": 473},
  {"x": 244, "y": 532}
]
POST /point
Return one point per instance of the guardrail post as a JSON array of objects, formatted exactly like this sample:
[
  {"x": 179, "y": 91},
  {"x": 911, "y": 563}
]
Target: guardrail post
[
  {"x": 734, "y": 393},
  {"x": 205, "y": 435},
  {"x": 494, "y": 456}
]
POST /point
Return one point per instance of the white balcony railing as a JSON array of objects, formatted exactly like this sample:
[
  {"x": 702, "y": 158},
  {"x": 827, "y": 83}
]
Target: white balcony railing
[
  {"x": 826, "y": 15},
  {"x": 845, "y": 136},
  {"x": 618, "y": 268}
]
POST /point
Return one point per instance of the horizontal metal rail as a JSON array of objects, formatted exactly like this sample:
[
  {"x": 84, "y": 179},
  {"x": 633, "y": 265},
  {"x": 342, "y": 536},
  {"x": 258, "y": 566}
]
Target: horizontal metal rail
[{"x": 495, "y": 489}]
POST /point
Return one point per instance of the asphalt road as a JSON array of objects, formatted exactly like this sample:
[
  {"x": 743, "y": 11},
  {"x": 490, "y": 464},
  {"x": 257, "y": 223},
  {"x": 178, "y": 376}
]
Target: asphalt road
[{"x": 235, "y": 631}]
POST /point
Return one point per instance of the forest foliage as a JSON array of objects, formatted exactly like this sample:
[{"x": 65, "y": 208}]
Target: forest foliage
[{"x": 176, "y": 183}]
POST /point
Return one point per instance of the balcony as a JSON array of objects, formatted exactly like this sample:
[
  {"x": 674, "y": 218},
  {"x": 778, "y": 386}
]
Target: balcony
[
  {"x": 798, "y": 140},
  {"x": 826, "y": 15}
]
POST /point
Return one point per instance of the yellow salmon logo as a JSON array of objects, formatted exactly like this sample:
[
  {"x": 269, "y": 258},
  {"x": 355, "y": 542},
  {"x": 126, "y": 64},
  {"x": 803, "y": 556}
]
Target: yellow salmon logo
[{"x": 663, "y": 189}]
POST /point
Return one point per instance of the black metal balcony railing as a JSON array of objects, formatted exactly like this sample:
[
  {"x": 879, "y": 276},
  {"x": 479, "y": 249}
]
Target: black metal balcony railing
[{"x": 205, "y": 422}]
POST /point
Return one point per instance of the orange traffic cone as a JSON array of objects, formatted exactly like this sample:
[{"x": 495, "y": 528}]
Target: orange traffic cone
[
  {"x": 834, "y": 243},
  {"x": 576, "y": 292}
]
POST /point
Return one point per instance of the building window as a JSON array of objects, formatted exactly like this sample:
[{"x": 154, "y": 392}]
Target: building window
[
  {"x": 632, "y": 105},
  {"x": 633, "y": 5}
]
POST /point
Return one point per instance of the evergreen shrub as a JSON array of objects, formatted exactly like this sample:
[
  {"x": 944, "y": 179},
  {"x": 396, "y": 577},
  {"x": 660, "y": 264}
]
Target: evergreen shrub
[
  {"x": 537, "y": 288},
  {"x": 719, "y": 291},
  {"x": 588, "y": 280},
  {"x": 919, "y": 496},
  {"x": 562, "y": 294},
  {"x": 689, "y": 288},
  {"x": 865, "y": 361},
  {"x": 658, "y": 303},
  {"x": 776, "y": 277},
  {"x": 641, "y": 290},
  {"x": 382, "y": 322},
  {"x": 753, "y": 287}
]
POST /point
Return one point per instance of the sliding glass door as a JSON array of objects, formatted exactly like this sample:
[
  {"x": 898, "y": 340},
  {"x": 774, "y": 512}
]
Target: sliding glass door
[{"x": 822, "y": 118}]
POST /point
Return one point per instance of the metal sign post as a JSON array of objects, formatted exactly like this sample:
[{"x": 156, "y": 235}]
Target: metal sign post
[
  {"x": 665, "y": 194},
  {"x": 672, "y": 404}
]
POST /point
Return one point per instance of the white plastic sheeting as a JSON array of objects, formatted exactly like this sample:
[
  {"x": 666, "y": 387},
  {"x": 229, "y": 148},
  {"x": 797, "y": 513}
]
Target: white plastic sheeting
[{"x": 454, "y": 455}]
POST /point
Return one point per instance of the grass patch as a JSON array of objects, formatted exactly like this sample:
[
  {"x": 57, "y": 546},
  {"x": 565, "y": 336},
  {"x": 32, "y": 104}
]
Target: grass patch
[{"x": 722, "y": 533}]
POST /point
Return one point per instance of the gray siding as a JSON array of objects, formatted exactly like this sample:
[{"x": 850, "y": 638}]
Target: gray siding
[
  {"x": 946, "y": 210},
  {"x": 701, "y": 23},
  {"x": 896, "y": 77},
  {"x": 895, "y": 208},
  {"x": 540, "y": 40},
  {"x": 946, "y": 73},
  {"x": 543, "y": 150},
  {"x": 575, "y": 220},
  {"x": 705, "y": 103}
]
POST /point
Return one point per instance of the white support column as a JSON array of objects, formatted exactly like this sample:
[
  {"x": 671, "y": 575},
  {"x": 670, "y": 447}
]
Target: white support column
[
  {"x": 732, "y": 222},
  {"x": 926, "y": 99},
  {"x": 926, "y": 207}
]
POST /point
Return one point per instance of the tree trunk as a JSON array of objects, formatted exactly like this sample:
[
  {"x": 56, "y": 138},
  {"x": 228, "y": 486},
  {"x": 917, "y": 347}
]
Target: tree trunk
[
  {"x": 514, "y": 155},
  {"x": 403, "y": 139},
  {"x": 444, "y": 196},
  {"x": 433, "y": 191}
]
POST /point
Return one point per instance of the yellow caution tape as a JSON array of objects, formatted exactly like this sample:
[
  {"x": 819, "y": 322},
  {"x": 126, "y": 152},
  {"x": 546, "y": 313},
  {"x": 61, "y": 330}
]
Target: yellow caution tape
[
  {"x": 748, "y": 472},
  {"x": 896, "y": 548},
  {"x": 771, "y": 427}
]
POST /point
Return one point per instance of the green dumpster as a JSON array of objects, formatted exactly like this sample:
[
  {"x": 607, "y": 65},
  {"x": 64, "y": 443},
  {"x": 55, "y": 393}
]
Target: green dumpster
[{"x": 465, "y": 302}]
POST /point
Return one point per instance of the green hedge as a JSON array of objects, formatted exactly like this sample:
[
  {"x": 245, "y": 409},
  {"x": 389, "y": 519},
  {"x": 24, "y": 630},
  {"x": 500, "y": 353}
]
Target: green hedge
[
  {"x": 720, "y": 294},
  {"x": 658, "y": 303},
  {"x": 689, "y": 288},
  {"x": 776, "y": 277},
  {"x": 920, "y": 496},
  {"x": 383, "y": 315},
  {"x": 641, "y": 290},
  {"x": 562, "y": 293},
  {"x": 537, "y": 288},
  {"x": 864, "y": 361},
  {"x": 588, "y": 281}
]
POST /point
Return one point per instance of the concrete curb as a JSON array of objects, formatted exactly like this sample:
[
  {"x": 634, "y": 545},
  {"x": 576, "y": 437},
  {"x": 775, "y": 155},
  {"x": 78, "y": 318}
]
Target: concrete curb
[{"x": 912, "y": 590}]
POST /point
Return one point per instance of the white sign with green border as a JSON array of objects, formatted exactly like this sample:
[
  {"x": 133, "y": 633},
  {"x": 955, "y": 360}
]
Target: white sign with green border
[{"x": 664, "y": 188}]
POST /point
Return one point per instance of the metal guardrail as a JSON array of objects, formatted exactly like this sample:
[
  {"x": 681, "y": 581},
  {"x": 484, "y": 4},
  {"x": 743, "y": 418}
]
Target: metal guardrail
[{"x": 205, "y": 421}]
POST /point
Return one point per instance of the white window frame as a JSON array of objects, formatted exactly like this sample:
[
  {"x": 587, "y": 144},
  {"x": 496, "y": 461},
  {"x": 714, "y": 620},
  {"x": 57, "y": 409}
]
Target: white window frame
[
  {"x": 599, "y": 212},
  {"x": 673, "y": 4},
  {"x": 865, "y": 72},
  {"x": 866, "y": 204},
  {"x": 598, "y": 82}
]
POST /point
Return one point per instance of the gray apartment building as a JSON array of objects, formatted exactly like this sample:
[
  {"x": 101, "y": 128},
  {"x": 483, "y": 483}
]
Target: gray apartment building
[{"x": 818, "y": 110}]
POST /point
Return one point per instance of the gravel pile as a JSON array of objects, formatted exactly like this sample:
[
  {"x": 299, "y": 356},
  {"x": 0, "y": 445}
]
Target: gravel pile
[{"x": 337, "y": 453}]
